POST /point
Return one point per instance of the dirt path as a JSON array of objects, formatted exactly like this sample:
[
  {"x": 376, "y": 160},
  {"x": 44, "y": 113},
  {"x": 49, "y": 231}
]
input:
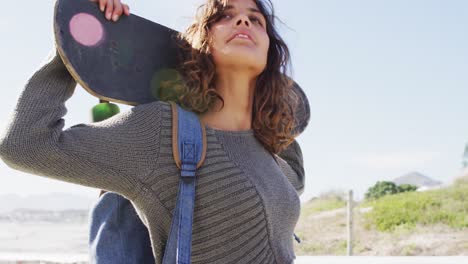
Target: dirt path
[{"x": 325, "y": 233}]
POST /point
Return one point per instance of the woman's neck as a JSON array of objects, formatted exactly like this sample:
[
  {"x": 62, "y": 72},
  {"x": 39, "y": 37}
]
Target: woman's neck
[{"x": 237, "y": 89}]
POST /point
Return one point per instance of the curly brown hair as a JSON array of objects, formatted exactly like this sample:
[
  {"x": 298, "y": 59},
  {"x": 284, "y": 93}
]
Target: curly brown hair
[{"x": 273, "y": 116}]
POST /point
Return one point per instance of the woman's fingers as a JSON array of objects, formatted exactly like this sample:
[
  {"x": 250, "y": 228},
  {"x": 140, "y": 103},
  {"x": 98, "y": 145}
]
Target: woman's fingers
[
  {"x": 102, "y": 5},
  {"x": 126, "y": 9},
  {"x": 109, "y": 9},
  {"x": 113, "y": 8},
  {"x": 117, "y": 10}
]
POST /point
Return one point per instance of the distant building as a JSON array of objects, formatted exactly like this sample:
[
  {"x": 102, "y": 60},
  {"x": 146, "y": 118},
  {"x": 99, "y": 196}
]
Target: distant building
[{"x": 419, "y": 180}]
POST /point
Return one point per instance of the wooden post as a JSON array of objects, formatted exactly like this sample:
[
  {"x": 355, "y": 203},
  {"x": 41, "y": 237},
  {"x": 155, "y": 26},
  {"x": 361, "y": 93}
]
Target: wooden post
[{"x": 350, "y": 223}]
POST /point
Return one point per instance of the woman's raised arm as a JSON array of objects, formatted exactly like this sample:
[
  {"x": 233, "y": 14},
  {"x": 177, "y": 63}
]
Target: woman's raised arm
[{"x": 110, "y": 155}]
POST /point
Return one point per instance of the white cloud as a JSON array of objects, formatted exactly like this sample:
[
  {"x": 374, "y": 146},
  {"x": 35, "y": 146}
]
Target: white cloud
[{"x": 395, "y": 160}]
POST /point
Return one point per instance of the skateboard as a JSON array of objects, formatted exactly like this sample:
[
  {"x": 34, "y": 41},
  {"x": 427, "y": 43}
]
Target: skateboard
[{"x": 130, "y": 61}]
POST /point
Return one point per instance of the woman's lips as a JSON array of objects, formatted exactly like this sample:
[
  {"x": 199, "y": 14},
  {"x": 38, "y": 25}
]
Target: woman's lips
[{"x": 241, "y": 35}]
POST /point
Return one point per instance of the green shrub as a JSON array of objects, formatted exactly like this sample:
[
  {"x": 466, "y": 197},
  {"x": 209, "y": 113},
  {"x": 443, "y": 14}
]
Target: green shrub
[
  {"x": 406, "y": 188},
  {"x": 380, "y": 189},
  {"x": 447, "y": 206}
]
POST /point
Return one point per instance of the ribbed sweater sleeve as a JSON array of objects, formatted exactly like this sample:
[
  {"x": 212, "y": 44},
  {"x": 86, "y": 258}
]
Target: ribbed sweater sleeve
[
  {"x": 291, "y": 163},
  {"x": 107, "y": 155}
]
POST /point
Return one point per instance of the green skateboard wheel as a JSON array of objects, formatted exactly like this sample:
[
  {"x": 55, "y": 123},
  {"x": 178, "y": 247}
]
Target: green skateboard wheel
[{"x": 104, "y": 110}]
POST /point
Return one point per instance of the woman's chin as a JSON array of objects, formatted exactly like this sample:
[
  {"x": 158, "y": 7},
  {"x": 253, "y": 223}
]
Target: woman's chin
[
  {"x": 241, "y": 59},
  {"x": 240, "y": 64}
]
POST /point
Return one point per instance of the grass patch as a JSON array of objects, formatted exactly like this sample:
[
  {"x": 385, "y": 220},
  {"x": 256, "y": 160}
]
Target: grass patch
[
  {"x": 335, "y": 248},
  {"x": 447, "y": 206},
  {"x": 461, "y": 181},
  {"x": 321, "y": 204},
  {"x": 410, "y": 250},
  {"x": 310, "y": 249}
]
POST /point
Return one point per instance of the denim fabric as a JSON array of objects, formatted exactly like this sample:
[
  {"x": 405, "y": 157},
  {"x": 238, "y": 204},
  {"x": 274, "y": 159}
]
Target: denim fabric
[
  {"x": 190, "y": 147},
  {"x": 117, "y": 235}
]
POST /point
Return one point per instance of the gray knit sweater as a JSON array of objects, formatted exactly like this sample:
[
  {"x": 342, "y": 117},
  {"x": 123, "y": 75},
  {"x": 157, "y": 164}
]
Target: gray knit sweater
[{"x": 246, "y": 204}]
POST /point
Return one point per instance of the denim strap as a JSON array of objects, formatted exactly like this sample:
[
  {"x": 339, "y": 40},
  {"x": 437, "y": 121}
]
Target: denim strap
[{"x": 190, "y": 148}]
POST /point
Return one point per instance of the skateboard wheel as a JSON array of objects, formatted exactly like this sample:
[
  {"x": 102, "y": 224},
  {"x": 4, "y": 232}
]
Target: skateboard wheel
[{"x": 103, "y": 111}]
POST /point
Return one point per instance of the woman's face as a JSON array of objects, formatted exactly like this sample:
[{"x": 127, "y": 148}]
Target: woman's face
[{"x": 240, "y": 38}]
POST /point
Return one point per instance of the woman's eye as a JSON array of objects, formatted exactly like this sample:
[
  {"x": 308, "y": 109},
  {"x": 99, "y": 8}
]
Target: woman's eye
[
  {"x": 225, "y": 16},
  {"x": 256, "y": 20}
]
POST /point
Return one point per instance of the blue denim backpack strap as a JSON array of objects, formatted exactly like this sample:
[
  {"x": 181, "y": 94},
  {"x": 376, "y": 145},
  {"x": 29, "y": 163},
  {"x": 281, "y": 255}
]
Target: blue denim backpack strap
[
  {"x": 189, "y": 150},
  {"x": 117, "y": 235}
]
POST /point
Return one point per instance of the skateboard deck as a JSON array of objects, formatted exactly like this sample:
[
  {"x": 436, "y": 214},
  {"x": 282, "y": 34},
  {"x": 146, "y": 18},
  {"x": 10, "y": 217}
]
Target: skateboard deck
[{"x": 127, "y": 61}]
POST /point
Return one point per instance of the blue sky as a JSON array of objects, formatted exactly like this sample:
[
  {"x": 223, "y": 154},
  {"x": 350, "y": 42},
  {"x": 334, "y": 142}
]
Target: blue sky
[{"x": 387, "y": 83}]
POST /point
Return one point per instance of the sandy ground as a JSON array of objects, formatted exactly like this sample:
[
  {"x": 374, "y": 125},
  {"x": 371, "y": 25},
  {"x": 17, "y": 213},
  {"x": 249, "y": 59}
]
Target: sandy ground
[
  {"x": 304, "y": 260},
  {"x": 71, "y": 238},
  {"x": 326, "y": 234}
]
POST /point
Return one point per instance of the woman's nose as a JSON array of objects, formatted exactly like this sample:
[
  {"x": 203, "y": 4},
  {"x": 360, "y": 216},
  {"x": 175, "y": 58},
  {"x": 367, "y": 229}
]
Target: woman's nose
[{"x": 243, "y": 20}]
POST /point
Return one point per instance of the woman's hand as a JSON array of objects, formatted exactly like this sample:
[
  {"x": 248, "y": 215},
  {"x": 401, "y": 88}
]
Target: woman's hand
[{"x": 113, "y": 8}]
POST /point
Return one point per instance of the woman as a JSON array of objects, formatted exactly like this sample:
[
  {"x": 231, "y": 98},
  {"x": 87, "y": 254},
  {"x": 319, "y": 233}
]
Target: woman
[{"x": 246, "y": 204}]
